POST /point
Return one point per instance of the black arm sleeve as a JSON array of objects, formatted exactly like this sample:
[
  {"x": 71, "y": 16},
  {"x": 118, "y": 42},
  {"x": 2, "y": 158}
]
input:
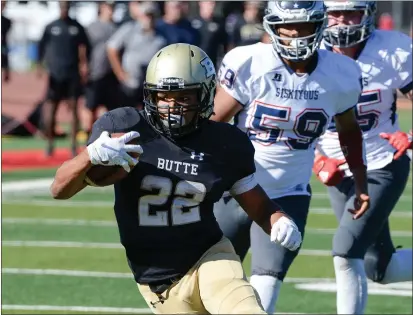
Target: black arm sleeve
[
  {"x": 246, "y": 157},
  {"x": 104, "y": 123},
  {"x": 242, "y": 154},
  {"x": 42, "y": 44}
]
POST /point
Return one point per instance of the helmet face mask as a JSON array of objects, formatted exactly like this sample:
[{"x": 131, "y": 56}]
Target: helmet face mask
[
  {"x": 349, "y": 33},
  {"x": 179, "y": 90},
  {"x": 288, "y": 14},
  {"x": 181, "y": 118}
]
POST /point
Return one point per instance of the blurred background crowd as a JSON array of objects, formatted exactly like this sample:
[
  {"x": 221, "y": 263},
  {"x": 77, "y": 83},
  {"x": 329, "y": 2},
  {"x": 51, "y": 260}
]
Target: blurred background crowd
[{"x": 92, "y": 55}]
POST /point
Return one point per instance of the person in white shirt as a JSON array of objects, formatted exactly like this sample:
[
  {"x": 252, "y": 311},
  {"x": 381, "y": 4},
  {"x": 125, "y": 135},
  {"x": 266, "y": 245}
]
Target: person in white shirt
[
  {"x": 364, "y": 249},
  {"x": 284, "y": 95}
]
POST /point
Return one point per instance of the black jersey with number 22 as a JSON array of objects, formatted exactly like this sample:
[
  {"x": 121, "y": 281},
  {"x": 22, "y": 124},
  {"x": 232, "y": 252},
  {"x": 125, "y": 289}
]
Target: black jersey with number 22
[{"x": 164, "y": 207}]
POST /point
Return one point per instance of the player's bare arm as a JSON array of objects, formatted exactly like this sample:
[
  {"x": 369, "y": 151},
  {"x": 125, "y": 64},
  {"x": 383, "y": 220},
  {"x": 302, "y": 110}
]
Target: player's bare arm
[
  {"x": 225, "y": 106},
  {"x": 71, "y": 177},
  {"x": 270, "y": 217},
  {"x": 351, "y": 141},
  {"x": 260, "y": 208}
]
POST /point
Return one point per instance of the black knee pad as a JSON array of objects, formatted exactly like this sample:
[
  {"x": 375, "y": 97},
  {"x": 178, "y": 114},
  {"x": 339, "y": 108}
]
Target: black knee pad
[
  {"x": 376, "y": 260},
  {"x": 280, "y": 275}
]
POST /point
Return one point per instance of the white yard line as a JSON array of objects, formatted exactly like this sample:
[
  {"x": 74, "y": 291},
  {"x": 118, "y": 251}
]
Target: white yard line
[
  {"x": 54, "y": 244},
  {"x": 127, "y": 275},
  {"x": 58, "y": 222},
  {"x": 58, "y": 244},
  {"x": 27, "y": 186},
  {"x": 325, "y": 196},
  {"x": 396, "y": 213},
  {"x": 116, "y": 275},
  {"x": 109, "y": 204},
  {"x": 59, "y": 203},
  {"x": 85, "y": 309},
  {"x": 53, "y": 308},
  {"x": 119, "y": 275},
  {"x": 70, "y": 273},
  {"x": 41, "y": 184},
  {"x": 107, "y": 223},
  {"x": 332, "y": 231}
]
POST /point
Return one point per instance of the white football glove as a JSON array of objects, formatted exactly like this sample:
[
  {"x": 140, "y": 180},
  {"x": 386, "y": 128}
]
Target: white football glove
[
  {"x": 285, "y": 232},
  {"x": 114, "y": 151}
]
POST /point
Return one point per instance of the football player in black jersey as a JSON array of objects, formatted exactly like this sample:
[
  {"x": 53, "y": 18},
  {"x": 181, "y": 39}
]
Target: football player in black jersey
[{"x": 164, "y": 206}]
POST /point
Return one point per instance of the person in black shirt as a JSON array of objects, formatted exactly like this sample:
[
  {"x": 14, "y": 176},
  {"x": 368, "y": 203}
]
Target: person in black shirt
[
  {"x": 214, "y": 39},
  {"x": 164, "y": 206},
  {"x": 5, "y": 28},
  {"x": 64, "y": 47},
  {"x": 174, "y": 25}
]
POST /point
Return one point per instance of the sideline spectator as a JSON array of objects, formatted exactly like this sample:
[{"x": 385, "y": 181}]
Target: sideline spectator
[
  {"x": 213, "y": 38},
  {"x": 139, "y": 41},
  {"x": 102, "y": 85},
  {"x": 174, "y": 25},
  {"x": 246, "y": 29},
  {"x": 64, "y": 48}
]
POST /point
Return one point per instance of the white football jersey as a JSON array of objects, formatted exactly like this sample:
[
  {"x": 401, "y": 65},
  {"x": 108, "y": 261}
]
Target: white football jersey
[
  {"x": 284, "y": 113},
  {"x": 386, "y": 65}
]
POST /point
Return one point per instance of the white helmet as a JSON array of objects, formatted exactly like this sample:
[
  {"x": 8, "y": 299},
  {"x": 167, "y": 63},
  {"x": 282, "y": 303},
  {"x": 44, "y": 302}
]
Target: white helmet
[
  {"x": 288, "y": 12},
  {"x": 350, "y": 35}
]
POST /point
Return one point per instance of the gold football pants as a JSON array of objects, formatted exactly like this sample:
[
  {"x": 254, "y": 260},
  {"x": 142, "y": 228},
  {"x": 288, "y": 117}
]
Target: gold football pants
[{"x": 216, "y": 284}]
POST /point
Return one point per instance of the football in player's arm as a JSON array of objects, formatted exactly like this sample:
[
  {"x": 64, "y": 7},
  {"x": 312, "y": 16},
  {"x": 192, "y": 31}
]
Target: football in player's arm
[
  {"x": 70, "y": 179},
  {"x": 182, "y": 165}
]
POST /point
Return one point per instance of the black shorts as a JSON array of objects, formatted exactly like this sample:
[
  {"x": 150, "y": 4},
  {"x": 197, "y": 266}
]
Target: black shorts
[
  {"x": 4, "y": 61},
  {"x": 64, "y": 89},
  {"x": 102, "y": 91}
]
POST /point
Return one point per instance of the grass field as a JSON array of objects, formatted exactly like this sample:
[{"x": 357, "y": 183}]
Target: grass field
[{"x": 65, "y": 256}]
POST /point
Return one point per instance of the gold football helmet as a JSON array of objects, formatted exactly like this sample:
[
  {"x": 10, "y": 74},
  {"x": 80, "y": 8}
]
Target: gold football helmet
[{"x": 179, "y": 68}]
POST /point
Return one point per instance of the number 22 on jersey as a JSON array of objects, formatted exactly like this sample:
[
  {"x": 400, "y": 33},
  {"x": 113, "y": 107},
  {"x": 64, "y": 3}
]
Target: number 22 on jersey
[{"x": 184, "y": 208}]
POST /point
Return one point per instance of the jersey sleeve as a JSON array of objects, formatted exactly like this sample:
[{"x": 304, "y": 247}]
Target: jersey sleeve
[
  {"x": 351, "y": 86},
  {"x": 120, "y": 120},
  {"x": 104, "y": 123},
  {"x": 242, "y": 159},
  {"x": 402, "y": 62},
  {"x": 43, "y": 42},
  {"x": 234, "y": 75}
]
